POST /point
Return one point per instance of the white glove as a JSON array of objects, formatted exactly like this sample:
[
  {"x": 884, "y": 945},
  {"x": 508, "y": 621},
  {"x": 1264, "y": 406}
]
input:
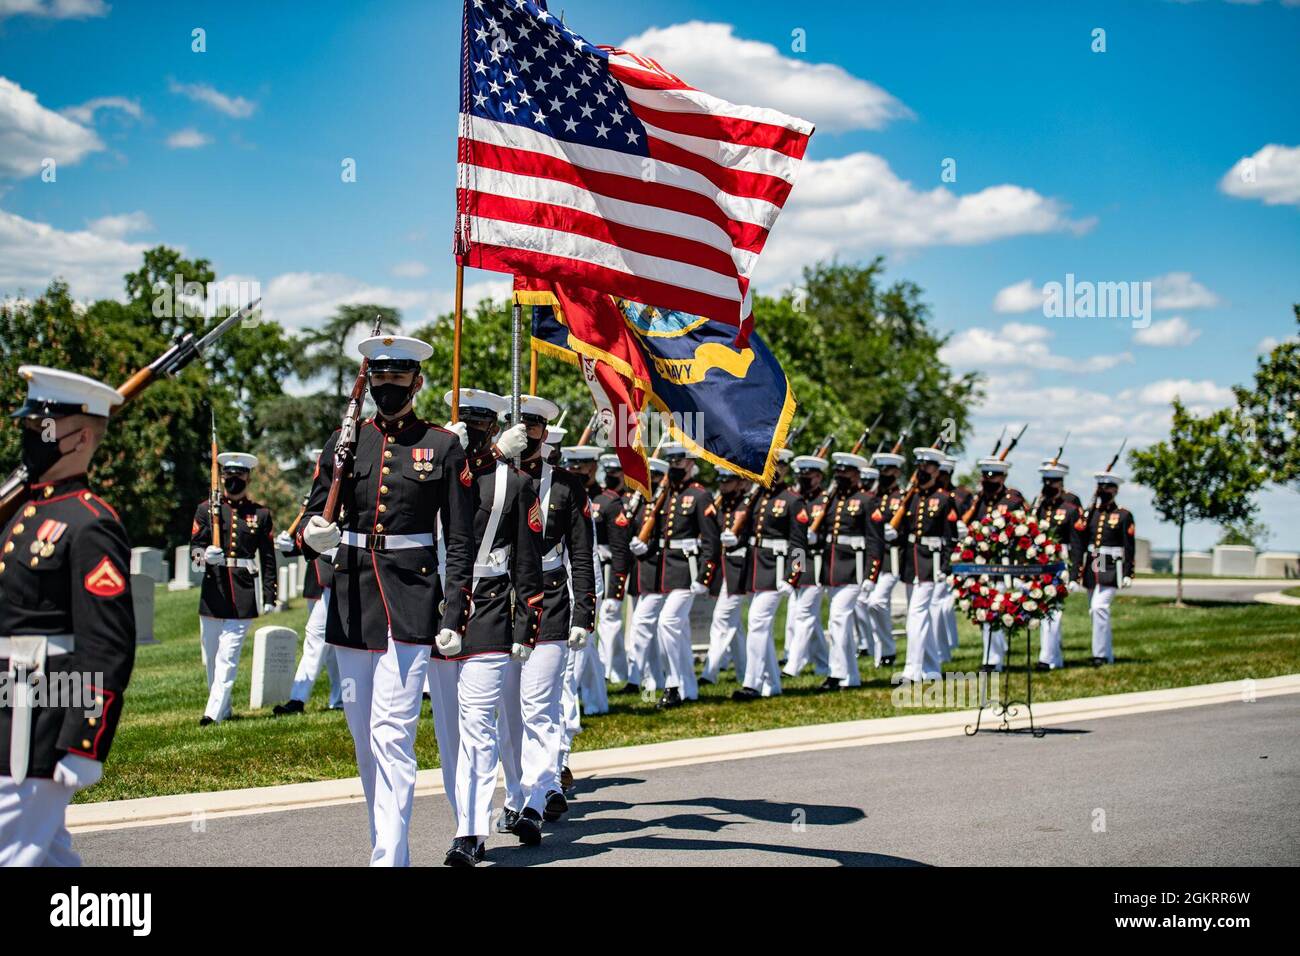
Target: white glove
[
  {"x": 512, "y": 441},
  {"x": 268, "y": 608},
  {"x": 609, "y": 608},
  {"x": 729, "y": 540},
  {"x": 891, "y": 533},
  {"x": 698, "y": 587},
  {"x": 214, "y": 556},
  {"x": 962, "y": 529},
  {"x": 520, "y": 652},
  {"x": 864, "y": 591},
  {"x": 577, "y": 638},
  {"x": 459, "y": 429},
  {"x": 78, "y": 772},
  {"x": 1073, "y": 586},
  {"x": 638, "y": 547},
  {"x": 786, "y": 588},
  {"x": 448, "y": 642},
  {"x": 284, "y": 542},
  {"x": 321, "y": 535},
  {"x": 604, "y": 553},
  {"x": 1126, "y": 583}
]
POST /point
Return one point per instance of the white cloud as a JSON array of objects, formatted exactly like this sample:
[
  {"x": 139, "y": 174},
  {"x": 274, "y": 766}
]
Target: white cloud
[
  {"x": 1178, "y": 290},
  {"x": 1200, "y": 396},
  {"x": 54, "y": 9},
  {"x": 188, "y": 138},
  {"x": 411, "y": 269},
  {"x": 856, "y": 204},
  {"x": 234, "y": 106},
  {"x": 1271, "y": 175},
  {"x": 92, "y": 260},
  {"x": 710, "y": 57},
  {"x": 1169, "y": 333},
  {"x": 30, "y": 134},
  {"x": 1024, "y": 296},
  {"x": 1019, "y": 344},
  {"x": 85, "y": 113}
]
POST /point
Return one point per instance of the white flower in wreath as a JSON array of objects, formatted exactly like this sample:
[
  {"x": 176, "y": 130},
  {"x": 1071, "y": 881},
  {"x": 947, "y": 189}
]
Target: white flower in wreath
[
  {"x": 1008, "y": 619},
  {"x": 1031, "y": 606},
  {"x": 1041, "y": 539},
  {"x": 982, "y": 615},
  {"x": 1022, "y": 530},
  {"x": 999, "y": 522},
  {"x": 1033, "y": 623},
  {"x": 1031, "y": 552},
  {"x": 1036, "y": 593},
  {"x": 1002, "y": 538},
  {"x": 983, "y": 546},
  {"x": 1050, "y": 591}
]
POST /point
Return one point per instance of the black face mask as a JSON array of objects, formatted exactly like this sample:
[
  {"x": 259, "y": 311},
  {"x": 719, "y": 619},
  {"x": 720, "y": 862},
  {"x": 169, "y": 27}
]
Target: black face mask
[
  {"x": 477, "y": 436},
  {"x": 676, "y": 475},
  {"x": 613, "y": 482},
  {"x": 990, "y": 488},
  {"x": 806, "y": 484},
  {"x": 884, "y": 483},
  {"x": 1050, "y": 491},
  {"x": 39, "y": 455},
  {"x": 530, "y": 449},
  {"x": 924, "y": 479},
  {"x": 234, "y": 484},
  {"x": 390, "y": 398},
  {"x": 1105, "y": 496},
  {"x": 843, "y": 483}
]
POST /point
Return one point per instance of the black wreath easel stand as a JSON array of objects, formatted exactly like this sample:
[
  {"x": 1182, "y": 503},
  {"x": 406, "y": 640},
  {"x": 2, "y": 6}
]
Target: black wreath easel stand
[{"x": 1006, "y": 707}]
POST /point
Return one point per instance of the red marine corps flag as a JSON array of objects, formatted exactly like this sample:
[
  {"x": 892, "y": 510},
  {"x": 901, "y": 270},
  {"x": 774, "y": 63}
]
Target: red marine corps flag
[{"x": 596, "y": 167}]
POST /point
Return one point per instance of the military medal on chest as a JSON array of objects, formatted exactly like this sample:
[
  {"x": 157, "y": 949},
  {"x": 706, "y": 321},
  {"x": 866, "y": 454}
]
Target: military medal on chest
[
  {"x": 423, "y": 461},
  {"x": 49, "y": 532}
]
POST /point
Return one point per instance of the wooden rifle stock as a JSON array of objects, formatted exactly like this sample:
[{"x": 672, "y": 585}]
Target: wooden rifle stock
[
  {"x": 346, "y": 447},
  {"x": 975, "y": 501},
  {"x": 214, "y": 491}
]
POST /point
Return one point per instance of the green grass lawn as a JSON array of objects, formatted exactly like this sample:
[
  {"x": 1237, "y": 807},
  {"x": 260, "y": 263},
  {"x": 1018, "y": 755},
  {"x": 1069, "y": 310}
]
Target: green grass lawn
[{"x": 160, "y": 749}]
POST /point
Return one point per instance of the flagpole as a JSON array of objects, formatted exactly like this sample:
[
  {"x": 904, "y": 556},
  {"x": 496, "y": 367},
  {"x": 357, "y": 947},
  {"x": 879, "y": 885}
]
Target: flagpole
[
  {"x": 455, "y": 345},
  {"x": 516, "y": 362},
  {"x": 532, "y": 361}
]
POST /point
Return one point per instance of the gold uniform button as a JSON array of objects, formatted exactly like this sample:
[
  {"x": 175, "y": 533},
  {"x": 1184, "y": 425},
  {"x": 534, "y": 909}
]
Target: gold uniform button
[
  {"x": 85, "y": 744},
  {"x": 383, "y": 507},
  {"x": 9, "y": 546},
  {"x": 18, "y": 528},
  {"x": 91, "y": 721},
  {"x": 35, "y": 561},
  {"x": 379, "y": 527},
  {"x": 388, "y": 454},
  {"x": 383, "y": 489},
  {"x": 386, "y": 469},
  {"x": 2, "y": 566},
  {"x": 29, "y": 511}
]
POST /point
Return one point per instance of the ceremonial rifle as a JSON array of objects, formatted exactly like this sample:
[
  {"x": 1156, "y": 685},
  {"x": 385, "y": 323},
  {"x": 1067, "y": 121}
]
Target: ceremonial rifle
[
  {"x": 866, "y": 434},
  {"x": 816, "y": 525},
  {"x": 975, "y": 501},
  {"x": 591, "y": 426},
  {"x": 1056, "y": 460},
  {"x": 913, "y": 486},
  {"x": 184, "y": 350},
  {"x": 755, "y": 489},
  {"x": 214, "y": 491},
  {"x": 345, "y": 448}
]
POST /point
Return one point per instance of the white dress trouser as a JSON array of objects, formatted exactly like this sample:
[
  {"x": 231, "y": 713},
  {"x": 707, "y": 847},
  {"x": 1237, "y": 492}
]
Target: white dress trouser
[
  {"x": 609, "y": 628},
  {"x": 529, "y": 724},
  {"x": 32, "y": 831},
  {"x": 805, "y": 641},
  {"x": 879, "y": 607},
  {"x": 223, "y": 639},
  {"x": 843, "y": 627},
  {"x": 480, "y": 688},
  {"x": 383, "y": 714},
  {"x": 995, "y": 646},
  {"x": 316, "y": 654},
  {"x": 645, "y": 668},
  {"x": 1099, "y": 607},
  {"x": 1049, "y": 652},
  {"x": 762, "y": 672},
  {"x": 445, "y": 704},
  {"x": 588, "y": 680},
  {"x": 862, "y": 614},
  {"x": 726, "y": 636},
  {"x": 943, "y": 620},
  {"x": 675, "y": 643},
  {"x": 922, "y": 641}
]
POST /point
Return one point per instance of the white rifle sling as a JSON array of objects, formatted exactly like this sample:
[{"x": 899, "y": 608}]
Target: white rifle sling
[{"x": 489, "y": 563}]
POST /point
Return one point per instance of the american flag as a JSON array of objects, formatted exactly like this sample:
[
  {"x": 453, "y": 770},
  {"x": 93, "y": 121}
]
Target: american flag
[{"x": 595, "y": 166}]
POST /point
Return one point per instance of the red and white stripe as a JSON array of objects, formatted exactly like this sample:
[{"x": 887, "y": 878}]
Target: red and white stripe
[{"x": 681, "y": 229}]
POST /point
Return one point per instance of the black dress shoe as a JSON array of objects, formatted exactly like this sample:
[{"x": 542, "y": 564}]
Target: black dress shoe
[
  {"x": 745, "y": 693},
  {"x": 205, "y": 720},
  {"x": 480, "y": 852},
  {"x": 1098, "y": 661},
  {"x": 508, "y": 820},
  {"x": 629, "y": 689},
  {"x": 887, "y": 661},
  {"x": 1040, "y": 666},
  {"x": 528, "y": 827},
  {"x": 830, "y": 683},
  {"x": 988, "y": 668},
  {"x": 290, "y": 707},
  {"x": 463, "y": 852},
  {"x": 566, "y": 779},
  {"x": 672, "y": 698},
  {"x": 556, "y": 806},
  {"x": 704, "y": 681}
]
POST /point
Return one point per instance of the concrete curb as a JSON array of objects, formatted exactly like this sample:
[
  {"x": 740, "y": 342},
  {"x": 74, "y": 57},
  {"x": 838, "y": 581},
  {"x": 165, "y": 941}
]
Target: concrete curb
[
  {"x": 186, "y": 808},
  {"x": 1277, "y": 597}
]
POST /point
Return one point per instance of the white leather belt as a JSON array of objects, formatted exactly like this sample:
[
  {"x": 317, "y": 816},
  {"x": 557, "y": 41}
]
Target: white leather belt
[
  {"x": 681, "y": 544},
  {"x": 1108, "y": 550},
  {"x": 27, "y": 653},
  {"x": 775, "y": 545},
  {"x": 554, "y": 558},
  {"x": 248, "y": 564},
  {"x": 387, "y": 542},
  {"x": 497, "y": 564},
  {"x": 737, "y": 552},
  {"x": 933, "y": 543},
  {"x": 855, "y": 541}
]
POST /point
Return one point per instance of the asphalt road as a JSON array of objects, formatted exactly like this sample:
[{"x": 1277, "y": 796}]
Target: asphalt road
[
  {"x": 1213, "y": 785},
  {"x": 1208, "y": 589}
]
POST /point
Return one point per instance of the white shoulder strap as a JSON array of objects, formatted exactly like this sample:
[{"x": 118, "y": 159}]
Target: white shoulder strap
[
  {"x": 499, "y": 480},
  {"x": 544, "y": 493}
]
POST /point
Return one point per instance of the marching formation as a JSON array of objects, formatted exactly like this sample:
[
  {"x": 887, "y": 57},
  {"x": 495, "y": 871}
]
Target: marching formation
[{"x": 507, "y": 577}]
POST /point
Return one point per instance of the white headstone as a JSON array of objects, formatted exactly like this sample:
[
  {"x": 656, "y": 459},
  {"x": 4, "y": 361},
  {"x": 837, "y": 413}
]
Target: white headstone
[
  {"x": 148, "y": 561},
  {"x": 1234, "y": 561},
  {"x": 184, "y": 576},
  {"x": 300, "y": 563},
  {"x": 275, "y": 651},
  {"x": 1142, "y": 554},
  {"x": 142, "y": 598},
  {"x": 1277, "y": 564},
  {"x": 293, "y": 589},
  {"x": 1195, "y": 562},
  {"x": 282, "y": 583}
]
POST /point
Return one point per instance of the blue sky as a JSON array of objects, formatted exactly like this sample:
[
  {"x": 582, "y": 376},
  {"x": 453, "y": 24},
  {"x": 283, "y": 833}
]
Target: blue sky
[{"x": 1108, "y": 165}]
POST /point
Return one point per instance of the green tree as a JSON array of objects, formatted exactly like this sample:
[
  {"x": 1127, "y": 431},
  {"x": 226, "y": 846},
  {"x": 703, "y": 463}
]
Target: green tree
[
  {"x": 1199, "y": 473},
  {"x": 1249, "y": 532},
  {"x": 1271, "y": 409}
]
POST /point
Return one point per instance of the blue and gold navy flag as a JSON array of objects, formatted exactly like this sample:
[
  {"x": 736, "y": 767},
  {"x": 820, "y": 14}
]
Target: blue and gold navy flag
[{"x": 731, "y": 406}]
